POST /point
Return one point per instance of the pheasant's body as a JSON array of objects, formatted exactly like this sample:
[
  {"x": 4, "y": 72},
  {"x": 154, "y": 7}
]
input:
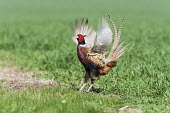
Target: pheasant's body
[
  {"x": 89, "y": 66},
  {"x": 92, "y": 49}
]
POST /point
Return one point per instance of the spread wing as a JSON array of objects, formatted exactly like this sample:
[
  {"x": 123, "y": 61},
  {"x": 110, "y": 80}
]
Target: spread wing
[
  {"x": 103, "y": 38},
  {"x": 81, "y": 27}
]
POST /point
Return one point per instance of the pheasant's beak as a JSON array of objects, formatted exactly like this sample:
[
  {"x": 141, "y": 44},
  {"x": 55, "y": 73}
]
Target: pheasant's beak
[{"x": 84, "y": 35}]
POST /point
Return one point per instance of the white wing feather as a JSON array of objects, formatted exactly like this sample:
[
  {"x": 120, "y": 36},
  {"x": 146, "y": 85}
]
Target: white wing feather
[
  {"x": 103, "y": 38},
  {"x": 82, "y": 27}
]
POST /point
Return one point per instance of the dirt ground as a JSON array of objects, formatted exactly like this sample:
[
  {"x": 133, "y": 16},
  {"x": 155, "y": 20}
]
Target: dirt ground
[{"x": 15, "y": 78}]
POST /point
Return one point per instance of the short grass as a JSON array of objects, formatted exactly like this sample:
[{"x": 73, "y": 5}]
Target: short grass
[{"x": 37, "y": 35}]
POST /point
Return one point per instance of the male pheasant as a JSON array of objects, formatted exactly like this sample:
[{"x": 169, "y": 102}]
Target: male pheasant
[{"x": 92, "y": 48}]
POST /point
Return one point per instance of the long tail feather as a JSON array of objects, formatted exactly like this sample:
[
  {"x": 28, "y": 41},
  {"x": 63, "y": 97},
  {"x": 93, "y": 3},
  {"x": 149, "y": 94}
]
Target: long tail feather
[
  {"x": 118, "y": 49},
  {"x": 121, "y": 26},
  {"x": 120, "y": 53},
  {"x": 131, "y": 47},
  {"x": 115, "y": 32},
  {"x": 119, "y": 33}
]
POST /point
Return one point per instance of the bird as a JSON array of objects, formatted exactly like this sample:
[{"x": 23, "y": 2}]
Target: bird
[{"x": 92, "y": 48}]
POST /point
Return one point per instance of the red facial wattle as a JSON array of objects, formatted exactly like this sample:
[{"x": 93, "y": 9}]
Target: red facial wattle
[{"x": 81, "y": 38}]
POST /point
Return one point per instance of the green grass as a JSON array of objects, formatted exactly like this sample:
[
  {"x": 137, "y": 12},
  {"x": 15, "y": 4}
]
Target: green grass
[
  {"x": 57, "y": 100},
  {"x": 38, "y": 36}
]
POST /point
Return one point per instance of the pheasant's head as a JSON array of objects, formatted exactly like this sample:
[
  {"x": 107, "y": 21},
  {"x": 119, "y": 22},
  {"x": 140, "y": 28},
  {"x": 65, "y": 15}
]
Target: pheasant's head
[{"x": 80, "y": 39}]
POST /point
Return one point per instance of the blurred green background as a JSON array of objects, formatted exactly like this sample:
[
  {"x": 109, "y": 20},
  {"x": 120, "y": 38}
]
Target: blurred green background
[{"x": 74, "y": 8}]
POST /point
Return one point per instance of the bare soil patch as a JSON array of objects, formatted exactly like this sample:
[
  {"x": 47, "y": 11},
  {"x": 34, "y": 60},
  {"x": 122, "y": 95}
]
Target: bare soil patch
[
  {"x": 15, "y": 79},
  {"x": 127, "y": 109}
]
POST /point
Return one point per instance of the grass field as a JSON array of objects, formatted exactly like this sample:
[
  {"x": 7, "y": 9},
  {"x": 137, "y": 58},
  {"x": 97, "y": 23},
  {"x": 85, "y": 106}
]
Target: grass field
[{"x": 36, "y": 35}]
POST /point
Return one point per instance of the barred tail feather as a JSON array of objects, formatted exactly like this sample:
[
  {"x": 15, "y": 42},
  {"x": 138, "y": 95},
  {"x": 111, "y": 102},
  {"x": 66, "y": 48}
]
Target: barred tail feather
[
  {"x": 117, "y": 49},
  {"x": 121, "y": 51},
  {"x": 120, "y": 29},
  {"x": 115, "y": 32}
]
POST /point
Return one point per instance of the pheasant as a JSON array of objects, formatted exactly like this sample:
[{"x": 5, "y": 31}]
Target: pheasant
[{"x": 92, "y": 48}]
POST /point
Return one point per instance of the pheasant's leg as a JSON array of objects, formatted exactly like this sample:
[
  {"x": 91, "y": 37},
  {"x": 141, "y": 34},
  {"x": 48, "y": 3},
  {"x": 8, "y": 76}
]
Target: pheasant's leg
[
  {"x": 90, "y": 87},
  {"x": 81, "y": 83},
  {"x": 92, "y": 83},
  {"x": 82, "y": 87},
  {"x": 86, "y": 78}
]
